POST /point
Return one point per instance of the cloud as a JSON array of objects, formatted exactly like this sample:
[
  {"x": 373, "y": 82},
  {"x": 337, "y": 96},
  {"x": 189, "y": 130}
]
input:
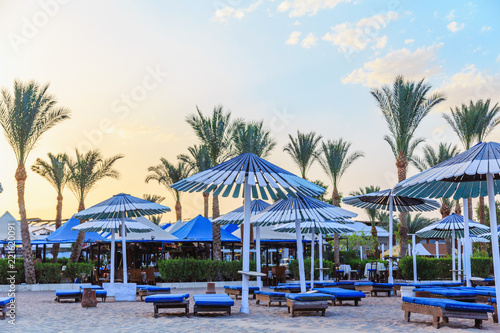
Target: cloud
[
  {"x": 299, "y": 8},
  {"x": 498, "y": 58},
  {"x": 358, "y": 36},
  {"x": 309, "y": 41},
  {"x": 297, "y": 23},
  {"x": 223, "y": 15},
  {"x": 485, "y": 28},
  {"x": 451, "y": 15},
  {"x": 414, "y": 65},
  {"x": 409, "y": 41},
  {"x": 131, "y": 130},
  {"x": 455, "y": 27},
  {"x": 294, "y": 38}
]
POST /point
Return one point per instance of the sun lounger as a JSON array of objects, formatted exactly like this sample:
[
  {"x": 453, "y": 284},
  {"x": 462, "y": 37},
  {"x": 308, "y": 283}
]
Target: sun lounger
[
  {"x": 342, "y": 295},
  {"x": 341, "y": 284},
  {"x": 269, "y": 297},
  {"x": 317, "y": 302},
  {"x": 398, "y": 285},
  {"x": 287, "y": 289},
  {"x": 374, "y": 288},
  {"x": 90, "y": 286},
  {"x": 141, "y": 286},
  {"x": 99, "y": 291},
  {"x": 153, "y": 290},
  {"x": 212, "y": 303},
  {"x": 168, "y": 301},
  {"x": 444, "y": 309},
  {"x": 4, "y": 303},
  {"x": 237, "y": 290},
  {"x": 68, "y": 294},
  {"x": 493, "y": 302},
  {"x": 483, "y": 293},
  {"x": 451, "y": 293}
]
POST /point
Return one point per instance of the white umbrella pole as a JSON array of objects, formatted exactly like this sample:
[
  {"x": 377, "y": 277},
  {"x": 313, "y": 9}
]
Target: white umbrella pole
[
  {"x": 437, "y": 248},
  {"x": 112, "y": 268},
  {"x": 360, "y": 252},
  {"x": 313, "y": 236},
  {"x": 383, "y": 250},
  {"x": 300, "y": 254},
  {"x": 494, "y": 231},
  {"x": 257, "y": 255},
  {"x": 460, "y": 274},
  {"x": 391, "y": 280},
  {"x": 467, "y": 243},
  {"x": 124, "y": 249},
  {"x": 453, "y": 267},
  {"x": 246, "y": 250},
  {"x": 414, "y": 259},
  {"x": 321, "y": 257}
]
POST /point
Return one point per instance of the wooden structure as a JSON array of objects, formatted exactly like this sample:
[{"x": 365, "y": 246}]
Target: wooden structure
[{"x": 310, "y": 306}]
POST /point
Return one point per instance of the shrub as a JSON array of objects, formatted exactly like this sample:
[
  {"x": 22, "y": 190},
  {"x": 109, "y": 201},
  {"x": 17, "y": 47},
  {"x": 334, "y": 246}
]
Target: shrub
[
  {"x": 18, "y": 268},
  {"x": 80, "y": 270},
  {"x": 438, "y": 269},
  {"x": 48, "y": 272},
  {"x": 195, "y": 270},
  {"x": 63, "y": 260}
]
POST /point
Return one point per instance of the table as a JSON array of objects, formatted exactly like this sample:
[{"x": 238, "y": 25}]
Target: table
[{"x": 347, "y": 270}]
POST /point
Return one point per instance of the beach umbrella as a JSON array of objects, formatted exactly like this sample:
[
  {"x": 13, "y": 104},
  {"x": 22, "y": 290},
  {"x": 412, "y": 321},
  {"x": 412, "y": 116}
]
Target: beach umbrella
[
  {"x": 121, "y": 206},
  {"x": 473, "y": 173},
  {"x": 387, "y": 200},
  {"x": 249, "y": 176},
  {"x": 112, "y": 225},
  {"x": 237, "y": 216},
  {"x": 300, "y": 209}
]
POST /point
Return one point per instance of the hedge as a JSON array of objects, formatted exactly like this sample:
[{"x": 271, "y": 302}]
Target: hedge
[
  {"x": 81, "y": 270},
  {"x": 439, "y": 268},
  {"x": 196, "y": 270},
  {"x": 356, "y": 265},
  {"x": 48, "y": 272},
  {"x": 19, "y": 268}
]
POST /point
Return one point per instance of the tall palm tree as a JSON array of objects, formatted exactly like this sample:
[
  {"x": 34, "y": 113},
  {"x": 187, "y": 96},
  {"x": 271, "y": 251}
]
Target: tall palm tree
[
  {"x": 417, "y": 222},
  {"x": 335, "y": 160},
  {"x": 156, "y": 219},
  {"x": 198, "y": 160},
  {"x": 86, "y": 170},
  {"x": 372, "y": 213},
  {"x": 404, "y": 106},
  {"x": 167, "y": 174},
  {"x": 25, "y": 115},
  {"x": 216, "y": 133},
  {"x": 253, "y": 138},
  {"x": 55, "y": 171},
  {"x": 304, "y": 150}
]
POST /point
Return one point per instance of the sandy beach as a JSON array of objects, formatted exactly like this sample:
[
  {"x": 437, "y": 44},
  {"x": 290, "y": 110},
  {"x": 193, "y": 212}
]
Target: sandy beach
[{"x": 38, "y": 312}]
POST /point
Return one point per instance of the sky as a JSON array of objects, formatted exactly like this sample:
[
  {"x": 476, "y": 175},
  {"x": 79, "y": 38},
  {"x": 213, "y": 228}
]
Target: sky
[{"x": 131, "y": 71}]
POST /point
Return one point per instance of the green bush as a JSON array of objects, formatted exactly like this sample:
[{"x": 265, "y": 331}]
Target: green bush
[
  {"x": 48, "y": 272},
  {"x": 346, "y": 256},
  {"x": 19, "y": 269},
  {"x": 195, "y": 270},
  {"x": 63, "y": 260},
  {"x": 439, "y": 269},
  {"x": 81, "y": 270},
  {"x": 293, "y": 267}
]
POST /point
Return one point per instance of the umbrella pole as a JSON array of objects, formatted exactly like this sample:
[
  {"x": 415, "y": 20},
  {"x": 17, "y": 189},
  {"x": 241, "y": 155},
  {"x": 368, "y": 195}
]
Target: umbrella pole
[
  {"x": 437, "y": 248},
  {"x": 124, "y": 249},
  {"x": 246, "y": 249},
  {"x": 460, "y": 258},
  {"x": 414, "y": 259},
  {"x": 300, "y": 254},
  {"x": 112, "y": 268},
  {"x": 390, "y": 280},
  {"x": 453, "y": 277},
  {"x": 467, "y": 243},
  {"x": 257, "y": 255},
  {"x": 494, "y": 231},
  {"x": 320, "y": 257},
  {"x": 312, "y": 256}
]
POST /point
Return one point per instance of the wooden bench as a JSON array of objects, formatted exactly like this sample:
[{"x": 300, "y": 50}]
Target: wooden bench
[
  {"x": 297, "y": 306},
  {"x": 374, "y": 289},
  {"x": 269, "y": 297}
]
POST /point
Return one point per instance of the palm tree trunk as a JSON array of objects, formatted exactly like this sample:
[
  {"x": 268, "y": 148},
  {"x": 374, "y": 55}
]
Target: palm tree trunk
[
  {"x": 217, "y": 244},
  {"x": 336, "y": 238},
  {"x": 55, "y": 247},
  {"x": 482, "y": 220},
  {"x": 375, "y": 238},
  {"x": 445, "y": 210},
  {"x": 458, "y": 208},
  {"x": 401, "y": 164},
  {"x": 205, "y": 204},
  {"x": 29, "y": 267},
  {"x": 178, "y": 211},
  {"x": 77, "y": 247},
  {"x": 469, "y": 204}
]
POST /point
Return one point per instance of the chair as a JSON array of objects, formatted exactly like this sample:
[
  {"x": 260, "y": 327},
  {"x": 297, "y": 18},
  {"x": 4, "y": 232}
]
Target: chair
[
  {"x": 119, "y": 275},
  {"x": 150, "y": 276},
  {"x": 237, "y": 291},
  {"x": 210, "y": 288},
  {"x": 135, "y": 275},
  {"x": 372, "y": 271},
  {"x": 265, "y": 279},
  {"x": 279, "y": 273}
]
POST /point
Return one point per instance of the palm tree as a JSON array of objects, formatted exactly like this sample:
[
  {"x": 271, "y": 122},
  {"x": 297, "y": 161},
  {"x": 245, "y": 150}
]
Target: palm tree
[
  {"x": 253, "y": 138},
  {"x": 372, "y": 213},
  {"x": 335, "y": 160},
  {"x": 56, "y": 173},
  {"x": 198, "y": 160},
  {"x": 417, "y": 222},
  {"x": 86, "y": 170},
  {"x": 167, "y": 174},
  {"x": 25, "y": 115},
  {"x": 156, "y": 219},
  {"x": 304, "y": 150},
  {"x": 216, "y": 133},
  {"x": 404, "y": 106}
]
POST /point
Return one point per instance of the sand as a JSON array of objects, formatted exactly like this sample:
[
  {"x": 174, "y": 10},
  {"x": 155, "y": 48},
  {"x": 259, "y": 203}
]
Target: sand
[{"x": 38, "y": 312}]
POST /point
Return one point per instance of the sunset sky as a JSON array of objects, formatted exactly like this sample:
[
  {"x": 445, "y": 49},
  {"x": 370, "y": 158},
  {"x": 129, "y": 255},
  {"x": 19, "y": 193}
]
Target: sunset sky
[{"x": 131, "y": 71}]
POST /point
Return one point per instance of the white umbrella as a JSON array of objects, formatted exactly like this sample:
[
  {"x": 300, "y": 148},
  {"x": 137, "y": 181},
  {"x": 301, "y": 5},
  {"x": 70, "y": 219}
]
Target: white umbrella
[{"x": 112, "y": 226}]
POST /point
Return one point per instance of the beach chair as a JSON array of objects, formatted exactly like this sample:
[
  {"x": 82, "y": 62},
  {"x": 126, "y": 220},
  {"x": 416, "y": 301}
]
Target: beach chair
[
  {"x": 4, "y": 304},
  {"x": 150, "y": 276},
  {"x": 212, "y": 303},
  {"x": 168, "y": 301},
  {"x": 456, "y": 294},
  {"x": 342, "y": 295},
  {"x": 269, "y": 297},
  {"x": 135, "y": 275},
  {"x": 372, "y": 271},
  {"x": 493, "y": 303},
  {"x": 68, "y": 294},
  {"x": 279, "y": 274},
  {"x": 265, "y": 279},
  {"x": 237, "y": 291},
  {"x": 444, "y": 309},
  {"x": 374, "y": 288},
  {"x": 152, "y": 290},
  {"x": 311, "y": 302}
]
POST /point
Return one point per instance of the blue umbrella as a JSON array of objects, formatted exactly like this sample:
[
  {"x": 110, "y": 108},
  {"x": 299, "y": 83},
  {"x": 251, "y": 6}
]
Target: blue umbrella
[
  {"x": 65, "y": 234},
  {"x": 474, "y": 172},
  {"x": 199, "y": 229},
  {"x": 250, "y": 176}
]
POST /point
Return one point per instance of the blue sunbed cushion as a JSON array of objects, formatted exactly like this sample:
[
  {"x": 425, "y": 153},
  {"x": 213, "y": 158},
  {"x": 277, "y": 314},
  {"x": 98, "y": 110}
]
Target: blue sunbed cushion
[
  {"x": 166, "y": 298},
  {"x": 313, "y": 297},
  {"x": 492, "y": 300},
  {"x": 369, "y": 283},
  {"x": 68, "y": 293},
  {"x": 5, "y": 300},
  {"x": 449, "y": 304},
  {"x": 156, "y": 289},
  {"x": 93, "y": 286},
  {"x": 213, "y": 300},
  {"x": 101, "y": 292},
  {"x": 241, "y": 288},
  {"x": 142, "y": 286},
  {"x": 448, "y": 292},
  {"x": 270, "y": 293},
  {"x": 340, "y": 293},
  {"x": 283, "y": 287}
]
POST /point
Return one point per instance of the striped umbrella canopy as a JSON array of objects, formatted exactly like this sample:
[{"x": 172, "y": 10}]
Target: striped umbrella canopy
[
  {"x": 112, "y": 225},
  {"x": 380, "y": 200},
  {"x": 237, "y": 215},
  {"x": 266, "y": 180},
  {"x": 327, "y": 227},
  {"x": 450, "y": 224},
  {"x": 487, "y": 235}
]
